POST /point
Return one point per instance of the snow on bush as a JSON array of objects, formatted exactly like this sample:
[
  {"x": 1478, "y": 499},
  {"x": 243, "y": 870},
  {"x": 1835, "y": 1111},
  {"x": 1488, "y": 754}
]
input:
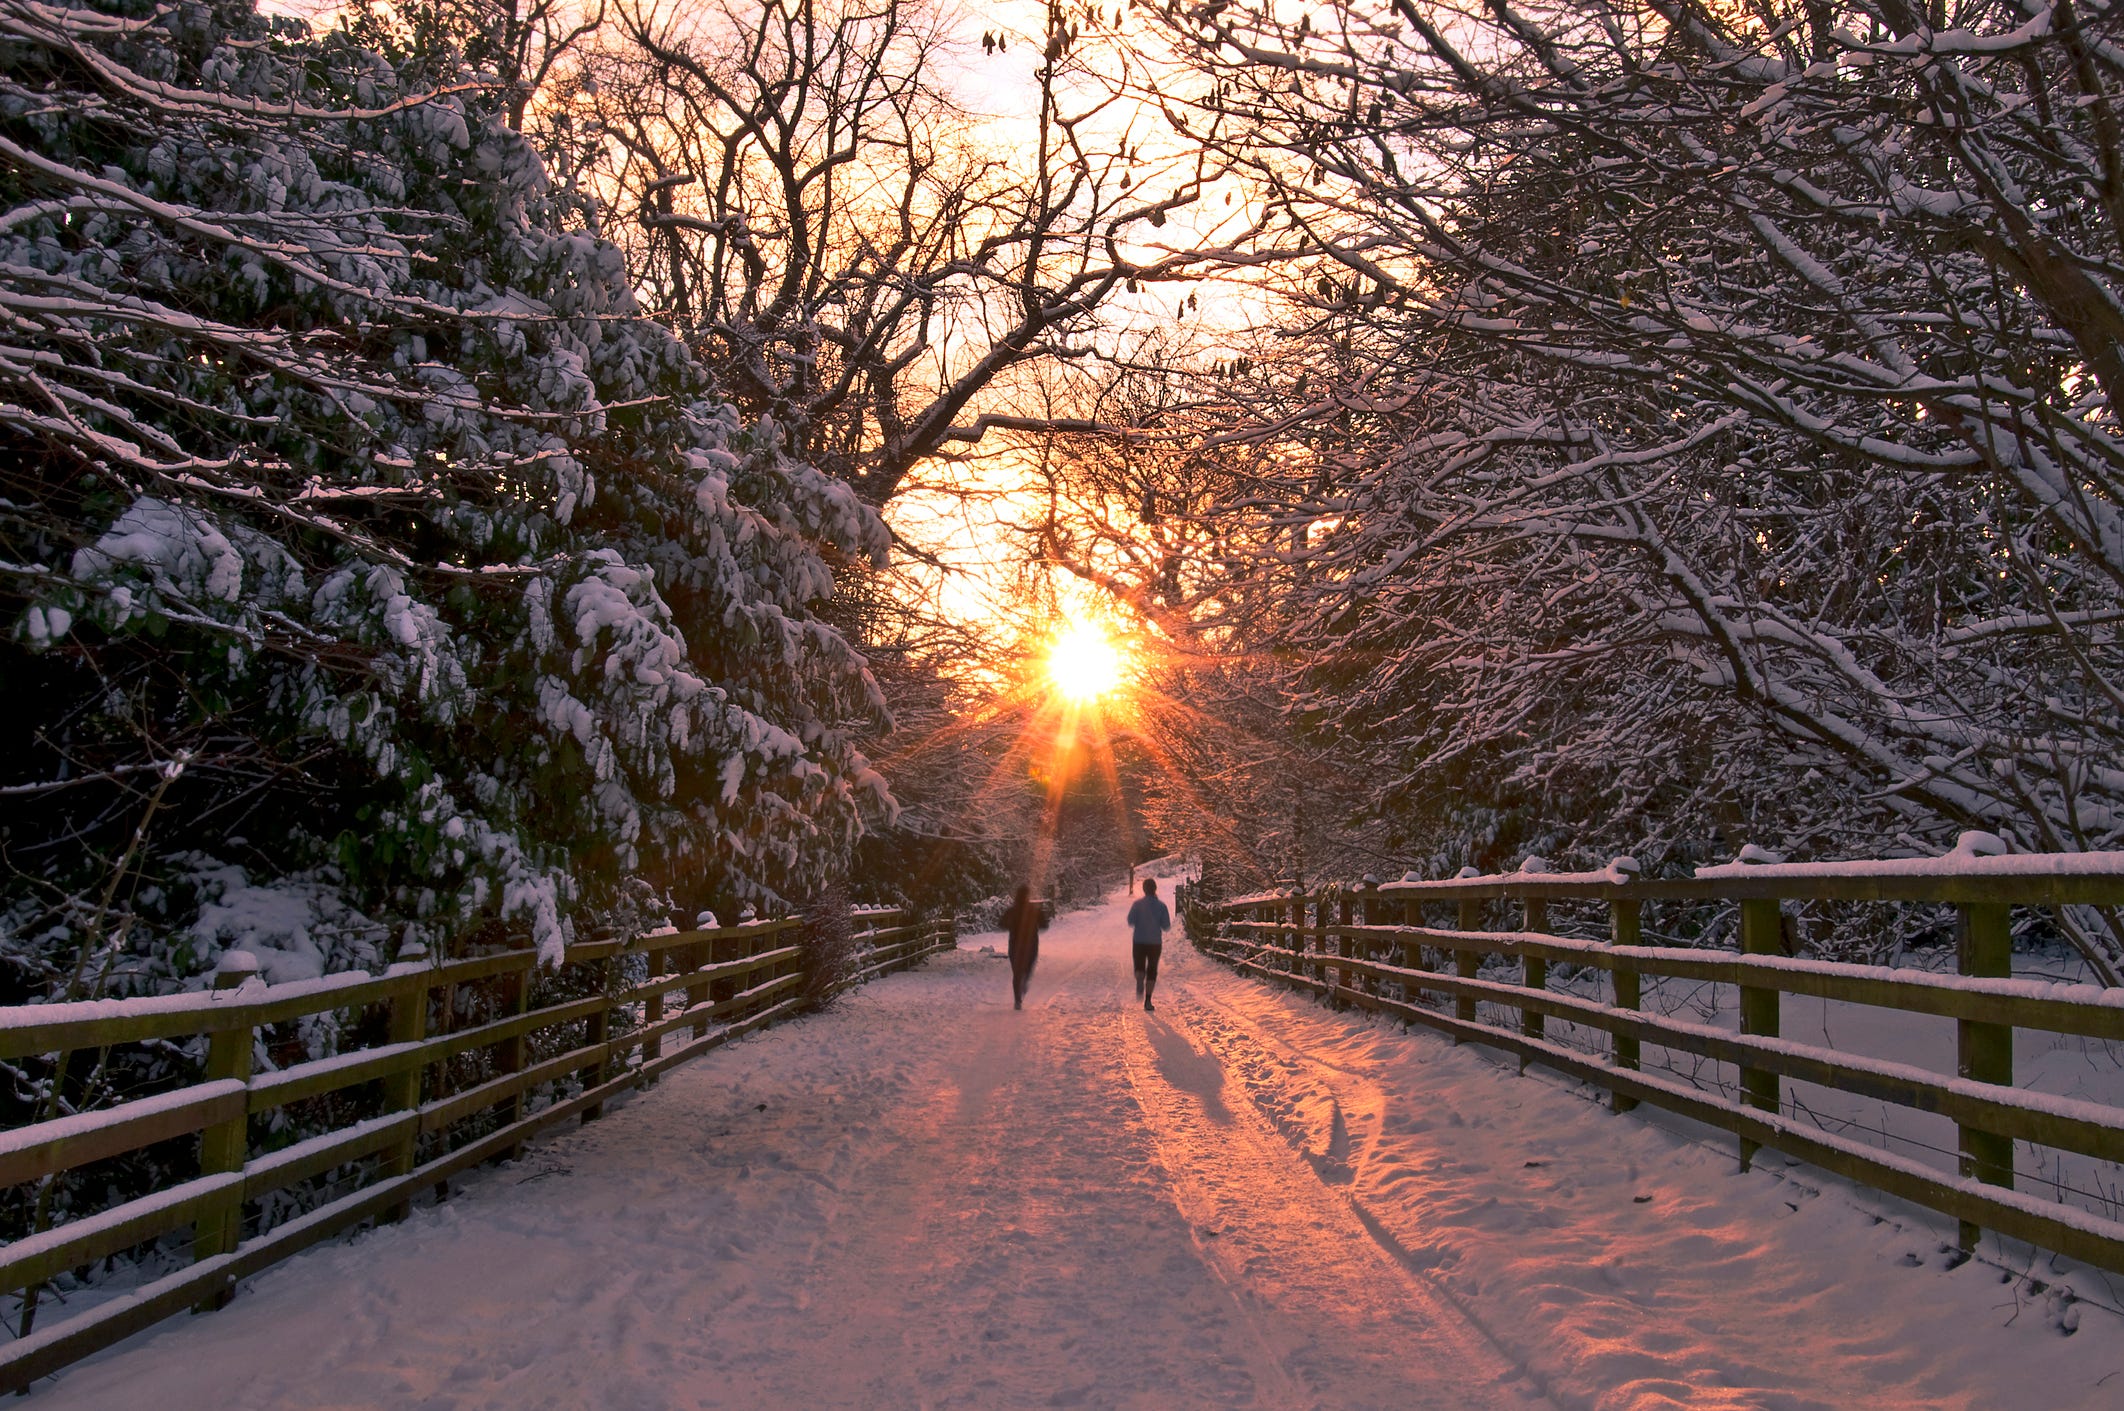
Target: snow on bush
[{"x": 356, "y": 513}]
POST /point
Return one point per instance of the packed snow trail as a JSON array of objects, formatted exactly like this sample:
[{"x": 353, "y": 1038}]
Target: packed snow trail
[{"x": 927, "y": 1200}]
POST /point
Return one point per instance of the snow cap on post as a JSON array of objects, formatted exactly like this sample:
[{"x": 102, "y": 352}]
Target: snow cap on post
[
  {"x": 235, "y": 969},
  {"x": 1464, "y": 873},
  {"x": 1977, "y": 843},
  {"x": 1753, "y": 856},
  {"x": 1535, "y": 865}
]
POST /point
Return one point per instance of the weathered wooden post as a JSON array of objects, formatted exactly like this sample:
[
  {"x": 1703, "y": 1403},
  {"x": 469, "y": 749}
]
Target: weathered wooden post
[
  {"x": 445, "y": 1000},
  {"x": 1466, "y": 963},
  {"x": 756, "y": 945},
  {"x": 794, "y": 965},
  {"x": 509, "y": 1053},
  {"x": 1345, "y": 949},
  {"x": 1375, "y": 914},
  {"x": 1296, "y": 937},
  {"x": 1534, "y": 969},
  {"x": 697, "y": 956},
  {"x": 1984, "y": 1051},
  {"x": 224, "y": 1146},
  {"x": 653, "y": 1010},
  {"x": 598, "y": 1034},
  {"x": 1625, "y": 928},
  {"x": 1414, "y": 956},
  {"x": 401, "y": 1090},
  {"x": 1293, "y": 940},
  {"x": 1345, "y": 915},
  {"x": 1762, "y": 921},
  {"x": 1326, "y": 914},
  {"x": 724, "y": 948}
]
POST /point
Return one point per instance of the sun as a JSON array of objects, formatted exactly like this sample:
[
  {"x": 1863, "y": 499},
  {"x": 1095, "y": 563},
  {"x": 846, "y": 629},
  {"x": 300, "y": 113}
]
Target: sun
[{"x": 1083, "y": 663}]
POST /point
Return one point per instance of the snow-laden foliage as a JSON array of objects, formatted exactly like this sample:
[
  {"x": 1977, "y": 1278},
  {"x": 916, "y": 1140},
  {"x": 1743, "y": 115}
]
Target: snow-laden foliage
[
  {"x": 373, "y": 572},
  {"x": 1704, "y": 414}
]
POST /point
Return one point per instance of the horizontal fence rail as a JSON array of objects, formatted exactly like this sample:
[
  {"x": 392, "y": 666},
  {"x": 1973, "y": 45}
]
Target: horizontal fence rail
[
  {"x": 1368, "y": 946},
  {"x": 432, "y": 1096}
]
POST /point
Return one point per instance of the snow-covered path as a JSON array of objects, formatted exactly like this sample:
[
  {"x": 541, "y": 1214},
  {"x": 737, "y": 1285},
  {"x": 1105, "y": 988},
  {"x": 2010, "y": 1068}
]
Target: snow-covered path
[{"x": 927, "y": 1200}]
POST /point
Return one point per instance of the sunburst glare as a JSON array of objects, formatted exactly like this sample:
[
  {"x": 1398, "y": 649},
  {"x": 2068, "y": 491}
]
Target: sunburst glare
[{"x": 1083, "y": 663}]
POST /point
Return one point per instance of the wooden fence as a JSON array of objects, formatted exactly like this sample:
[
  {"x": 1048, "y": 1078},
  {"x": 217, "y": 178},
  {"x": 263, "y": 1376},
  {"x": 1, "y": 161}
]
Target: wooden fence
[
  {"x": 428, "y": 1096},
  {"x": 1368, "y": 946}
]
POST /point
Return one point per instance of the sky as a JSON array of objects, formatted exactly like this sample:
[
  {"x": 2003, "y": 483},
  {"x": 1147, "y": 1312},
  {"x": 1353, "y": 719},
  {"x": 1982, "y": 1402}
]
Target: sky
[{"x": 968, "y": 513}]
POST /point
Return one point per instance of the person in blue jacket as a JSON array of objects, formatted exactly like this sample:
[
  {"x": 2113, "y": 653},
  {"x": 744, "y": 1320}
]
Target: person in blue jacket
[{"x": 1147, "y": 923}]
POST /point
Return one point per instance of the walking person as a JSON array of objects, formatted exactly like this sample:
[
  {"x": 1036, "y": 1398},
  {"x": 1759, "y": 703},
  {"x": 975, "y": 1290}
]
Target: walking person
[
  {"x": 1147, "y": 923},
  {"x": 1023, "y": 922}
]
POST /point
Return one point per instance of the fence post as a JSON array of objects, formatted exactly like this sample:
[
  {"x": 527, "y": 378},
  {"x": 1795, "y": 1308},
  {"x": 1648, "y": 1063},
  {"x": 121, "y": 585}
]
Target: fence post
[
  {"x": 653, "y": 1010},
  {"x": 1984, "y": 1052},
  {"x": 509, "y": 1053},
  {"x": 1625, "y": 928},
  {"x": 401, "y": 1091},
  {"x": 1366, "y": 948},
  {"x": 697, "y": 993},
  {"x": 224, "y": 1146},
  {"x": 1296, "y": 920},
  {"x": 1466, "y": 963},
  {"x": 1761, "y": 926},
  {"x": 446, "y": 1012},
  {"x": 758, "y": 945},
  {"x": 794, "y": 965},
  {"x": 1345, "y": 914},
  {"x": 1345, "y": 949},
  {"x": 597, "y": 1032},
  {"x": 1414, "y": 955},
  {"x": 721, "y": 950},
  {"x": 1534, "y": 971}
]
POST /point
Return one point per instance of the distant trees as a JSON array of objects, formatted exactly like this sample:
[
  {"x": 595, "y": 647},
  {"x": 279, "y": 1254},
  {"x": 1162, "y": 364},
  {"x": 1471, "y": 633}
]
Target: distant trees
[
  {"x": 371, "y": 570},
  {"x": 1176, "y": 514},
  {"x": 996, "y": 780},
  {"x": 806, "y": 202},
  {"x": 1709, "y": 428}
]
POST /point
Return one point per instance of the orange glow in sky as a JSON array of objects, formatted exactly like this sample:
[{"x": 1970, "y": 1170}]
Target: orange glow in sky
[{"x": 1084, "y": 664}]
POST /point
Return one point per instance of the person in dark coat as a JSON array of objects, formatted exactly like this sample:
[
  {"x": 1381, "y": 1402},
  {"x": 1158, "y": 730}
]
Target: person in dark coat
[{"x": 1023, "y": 922}]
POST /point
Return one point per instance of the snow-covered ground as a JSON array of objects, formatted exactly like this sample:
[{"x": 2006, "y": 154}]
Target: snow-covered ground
[{"x": 925, "y": 1199}]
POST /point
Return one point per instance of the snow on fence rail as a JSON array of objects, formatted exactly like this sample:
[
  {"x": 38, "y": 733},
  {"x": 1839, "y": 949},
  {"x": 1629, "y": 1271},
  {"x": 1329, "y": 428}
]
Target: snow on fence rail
[
  {"x": 435, "y": 1103},
  {"x": 1367, "y": 946}
]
